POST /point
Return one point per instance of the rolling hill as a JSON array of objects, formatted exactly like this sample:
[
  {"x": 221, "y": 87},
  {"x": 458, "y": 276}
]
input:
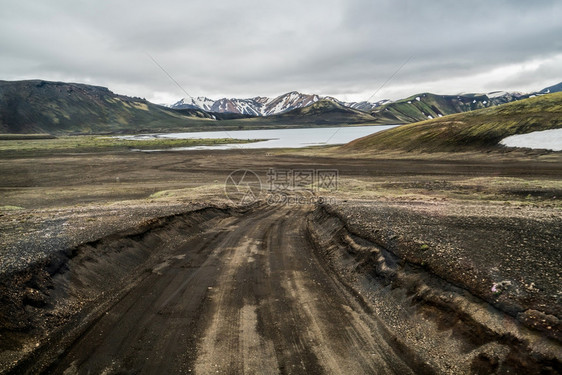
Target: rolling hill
[
  {"x": 37, "y": 106},
  {"x": 471, "y": 130}
]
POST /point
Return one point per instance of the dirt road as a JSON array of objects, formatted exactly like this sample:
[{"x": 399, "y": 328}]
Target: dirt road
[{"x": 248, "y": 296}]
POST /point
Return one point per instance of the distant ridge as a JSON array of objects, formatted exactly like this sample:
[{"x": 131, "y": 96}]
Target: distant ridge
[
  {"x": 551, "y": 89},
  {"x": 44, "y": 107},
  {"x": 326, "y": 112},
  {"x": 426, "y": 106},
  {"x": 263, "y": 106},
  {"x": 417, "y": 107}
]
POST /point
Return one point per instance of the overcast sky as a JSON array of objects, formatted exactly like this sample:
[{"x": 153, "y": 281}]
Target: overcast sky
[{"x": 246, "y": 48}]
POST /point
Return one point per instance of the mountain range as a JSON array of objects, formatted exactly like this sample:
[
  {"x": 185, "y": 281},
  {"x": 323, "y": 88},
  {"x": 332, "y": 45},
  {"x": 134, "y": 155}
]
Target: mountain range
[
  {"x": 415, "y": 108},
  {"x": 38, "y": 106},
  {"x": 264, "y": 106}
]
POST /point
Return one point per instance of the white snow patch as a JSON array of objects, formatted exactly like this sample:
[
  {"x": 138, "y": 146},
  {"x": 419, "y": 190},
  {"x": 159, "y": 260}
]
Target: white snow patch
[
  {"x": 546, "y": 139},
  {"x": 474, "y": 101},
  {"x": 496, "y": 94},
  {"x": 418, "y": 98},
  {"x": 429, "y": 117},
  {"x": 409, "y": 102},
  {"x": 484, "y": 102},
  {"x": 440, "y": 115}
]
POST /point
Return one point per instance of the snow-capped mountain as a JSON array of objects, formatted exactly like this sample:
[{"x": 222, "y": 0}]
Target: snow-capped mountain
[
  {"x": 198, "y": 103},
  {"x": 263, "y": 106}
]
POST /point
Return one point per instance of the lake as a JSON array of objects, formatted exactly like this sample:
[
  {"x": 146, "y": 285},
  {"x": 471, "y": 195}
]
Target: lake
[{"x": 275, "y": 138}]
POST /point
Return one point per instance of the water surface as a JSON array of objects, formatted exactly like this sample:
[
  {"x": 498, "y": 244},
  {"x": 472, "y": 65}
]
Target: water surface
[{"x": 275, "y": 138}]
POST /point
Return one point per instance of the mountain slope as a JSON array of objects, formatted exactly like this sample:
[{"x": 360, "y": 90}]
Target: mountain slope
[
  {"x": 425, "y": 106},
  {"x": 321, "y": 113},
  {"x": 471, "y": 130},
  {"x": 38, "y": 106},
  {"x": 326, "y": 112},
  {"x": 551, "y": 89}
]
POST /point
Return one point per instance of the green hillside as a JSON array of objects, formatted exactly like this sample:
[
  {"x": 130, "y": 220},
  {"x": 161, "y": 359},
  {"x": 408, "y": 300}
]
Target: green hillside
[
  {"x": 425, "y": 106},
  {"x": 37, "y": 106},
  {"x": 471, "y": 130}
]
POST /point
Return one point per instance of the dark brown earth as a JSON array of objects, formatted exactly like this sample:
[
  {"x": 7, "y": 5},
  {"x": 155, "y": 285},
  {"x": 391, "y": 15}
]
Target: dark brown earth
[{"x": 373, "y": 282}]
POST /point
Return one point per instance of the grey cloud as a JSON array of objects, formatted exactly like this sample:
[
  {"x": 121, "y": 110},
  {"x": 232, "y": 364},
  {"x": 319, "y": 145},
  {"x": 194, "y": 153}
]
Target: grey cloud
[{"x": 247, "y": 47}]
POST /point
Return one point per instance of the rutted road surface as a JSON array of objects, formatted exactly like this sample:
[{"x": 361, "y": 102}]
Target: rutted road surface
[{"x": 247, "y": 296}]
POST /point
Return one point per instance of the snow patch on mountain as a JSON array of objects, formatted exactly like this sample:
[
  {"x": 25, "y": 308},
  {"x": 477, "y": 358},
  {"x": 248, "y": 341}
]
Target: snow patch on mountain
[{"x": 545, "y": 139}]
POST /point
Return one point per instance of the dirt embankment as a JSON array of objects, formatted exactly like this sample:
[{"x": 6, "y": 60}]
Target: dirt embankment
[
  {"x": 440, "y": 315},
  {"x": 71, "y": 287}
]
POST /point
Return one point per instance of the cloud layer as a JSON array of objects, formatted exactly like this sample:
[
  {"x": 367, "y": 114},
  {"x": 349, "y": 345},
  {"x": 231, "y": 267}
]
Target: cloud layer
[{"x": 243, "y": 48}]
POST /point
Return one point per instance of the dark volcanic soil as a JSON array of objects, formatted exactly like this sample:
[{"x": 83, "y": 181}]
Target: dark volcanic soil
[
  {"x": 490, "y": 251},
  {"x": 420, "y": 264}
]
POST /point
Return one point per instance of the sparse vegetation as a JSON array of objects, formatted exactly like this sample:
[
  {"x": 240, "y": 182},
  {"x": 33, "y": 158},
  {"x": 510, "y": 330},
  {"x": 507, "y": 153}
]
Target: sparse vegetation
[{"x": 89, "y": 143}]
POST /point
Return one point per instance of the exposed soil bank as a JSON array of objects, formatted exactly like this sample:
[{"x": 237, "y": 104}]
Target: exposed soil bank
[
  {"x": 431, "y": 315},
  {"x": 68, "y": 289}
]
